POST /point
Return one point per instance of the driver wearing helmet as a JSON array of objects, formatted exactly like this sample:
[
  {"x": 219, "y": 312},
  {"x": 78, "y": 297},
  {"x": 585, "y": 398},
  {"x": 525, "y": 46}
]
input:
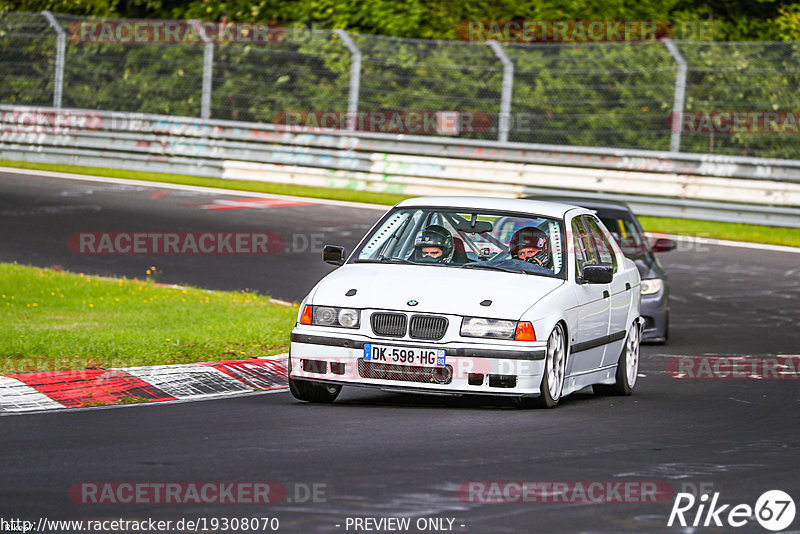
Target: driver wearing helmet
[
  {"x": 531, "y": 244},
  {"x": 433, "y": 245}
]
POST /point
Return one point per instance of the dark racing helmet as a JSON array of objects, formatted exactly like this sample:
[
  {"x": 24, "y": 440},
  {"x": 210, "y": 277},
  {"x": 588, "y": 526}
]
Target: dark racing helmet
[
  {"x": 433, "y": 236},
  {"x": 531, "y": 237}
]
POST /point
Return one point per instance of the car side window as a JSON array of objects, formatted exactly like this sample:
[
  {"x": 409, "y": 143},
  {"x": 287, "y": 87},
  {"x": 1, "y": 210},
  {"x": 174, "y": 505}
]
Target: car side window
[
  {"x": 584, "y": 247},
  {"x": 605, "y": 252}
]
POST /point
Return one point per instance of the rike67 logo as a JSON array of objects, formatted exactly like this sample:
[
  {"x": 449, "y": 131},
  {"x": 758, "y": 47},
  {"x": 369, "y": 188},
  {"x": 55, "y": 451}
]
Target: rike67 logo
[{"x": 774, "y": 510}]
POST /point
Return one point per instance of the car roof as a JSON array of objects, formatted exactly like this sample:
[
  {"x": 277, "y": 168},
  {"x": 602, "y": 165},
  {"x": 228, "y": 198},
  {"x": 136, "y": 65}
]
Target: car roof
[
  {"x": 589, "y": 203},
  {"x": 538, "y": 207}
]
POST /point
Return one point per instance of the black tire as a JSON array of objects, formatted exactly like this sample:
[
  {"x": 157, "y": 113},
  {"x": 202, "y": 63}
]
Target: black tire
[
  {"x": 623, "y": 385},
  {"x": 306, "y": 390}
]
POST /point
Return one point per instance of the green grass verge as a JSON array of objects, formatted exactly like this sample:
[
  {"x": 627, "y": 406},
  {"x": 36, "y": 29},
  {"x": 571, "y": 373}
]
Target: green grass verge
[
  {"x": 716, "y": 230},
  {"x": 54, "y": 320},
  {"x": 772, "y": 235}
]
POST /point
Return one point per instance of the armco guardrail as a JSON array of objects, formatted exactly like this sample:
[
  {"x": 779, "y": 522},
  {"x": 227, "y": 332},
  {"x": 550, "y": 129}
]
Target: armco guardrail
[{"x": 725, "y": 188}]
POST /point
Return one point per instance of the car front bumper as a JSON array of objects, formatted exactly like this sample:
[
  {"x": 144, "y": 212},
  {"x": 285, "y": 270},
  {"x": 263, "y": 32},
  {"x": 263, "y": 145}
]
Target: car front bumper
[
  {"x": 505, "y": 369},
  {"x": 655, "y": 311}
]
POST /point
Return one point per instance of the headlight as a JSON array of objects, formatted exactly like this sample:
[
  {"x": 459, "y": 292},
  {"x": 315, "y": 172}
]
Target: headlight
[
  {"x": 492, "y": 328},
  {"x": 348, "y": 318},
  {"x": 650, "y": 286},
  {"x": 331, "y": 316}
]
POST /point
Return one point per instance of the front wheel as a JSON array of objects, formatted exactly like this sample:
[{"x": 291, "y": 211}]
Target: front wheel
[
  {"x": 627, "y": 365},
  {"x": 308, "y": 391},
  {"x": 555, "y": 365}
]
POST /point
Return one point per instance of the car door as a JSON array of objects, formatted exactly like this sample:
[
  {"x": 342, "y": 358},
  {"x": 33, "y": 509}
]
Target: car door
[
  {"x": 620, "y": 292},
  {"x": 588, "y": 346}
]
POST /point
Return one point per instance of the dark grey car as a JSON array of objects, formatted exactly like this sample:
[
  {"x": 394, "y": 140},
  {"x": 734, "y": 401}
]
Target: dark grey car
[{"x": 625, "y": 227}]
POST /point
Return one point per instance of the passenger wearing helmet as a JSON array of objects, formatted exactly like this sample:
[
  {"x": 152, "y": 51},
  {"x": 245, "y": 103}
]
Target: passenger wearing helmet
[
  {"x": 433, "y": 245},
  {"x": 531, "y": 244}
]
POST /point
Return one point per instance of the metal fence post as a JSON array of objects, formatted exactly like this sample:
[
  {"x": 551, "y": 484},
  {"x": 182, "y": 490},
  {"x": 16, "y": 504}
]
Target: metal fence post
[
  {"x": 208, "y": 70},
  {"x": 680, "y": 94},
  {"x": 208, "y": 67},
  {"x": 508, "y": 87},
  {"x": 355, "y": 78},
  {"x": 61, "y": 48}
]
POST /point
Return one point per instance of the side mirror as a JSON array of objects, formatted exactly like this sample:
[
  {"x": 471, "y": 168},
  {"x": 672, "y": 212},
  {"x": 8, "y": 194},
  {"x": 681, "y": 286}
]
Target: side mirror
[
  {"x": 662, "y": 244},
  {"x": 333, "y": 254},
  {"x": 598, "y": 274}
]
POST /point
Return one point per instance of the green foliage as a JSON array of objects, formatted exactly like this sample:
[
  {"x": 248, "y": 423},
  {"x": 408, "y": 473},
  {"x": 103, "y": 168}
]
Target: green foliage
[
  {"x": 92, "y": 8},
  {"x": 606, "y": 94},
  {"x": 787, "y": 24},
  {"x": 438, "y": 19}
]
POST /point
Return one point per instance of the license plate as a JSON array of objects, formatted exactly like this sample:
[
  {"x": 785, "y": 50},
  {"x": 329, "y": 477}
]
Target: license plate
[{"x": 404, "y": 355}]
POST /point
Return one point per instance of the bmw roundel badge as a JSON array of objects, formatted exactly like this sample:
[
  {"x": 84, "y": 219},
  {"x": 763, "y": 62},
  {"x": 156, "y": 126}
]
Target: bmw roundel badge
[{"x": 412, "y": 302}]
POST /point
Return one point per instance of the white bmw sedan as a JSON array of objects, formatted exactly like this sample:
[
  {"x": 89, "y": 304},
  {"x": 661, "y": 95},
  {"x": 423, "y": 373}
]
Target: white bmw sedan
[{"x": 468, "y": 295}]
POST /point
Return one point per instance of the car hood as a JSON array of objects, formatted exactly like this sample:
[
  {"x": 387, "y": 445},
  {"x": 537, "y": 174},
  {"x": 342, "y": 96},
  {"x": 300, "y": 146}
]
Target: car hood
[{"x": 443, "y": 290}]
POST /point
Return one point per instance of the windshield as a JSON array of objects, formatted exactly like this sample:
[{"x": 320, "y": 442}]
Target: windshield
[
  {"x": 626, "y": 234},
  {"x": 470, "y": 239}
]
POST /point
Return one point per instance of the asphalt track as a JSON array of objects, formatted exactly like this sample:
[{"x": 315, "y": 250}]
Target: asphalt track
[
  {"x": 38, "y": 215},
  {"x": 391, "y": 455}
]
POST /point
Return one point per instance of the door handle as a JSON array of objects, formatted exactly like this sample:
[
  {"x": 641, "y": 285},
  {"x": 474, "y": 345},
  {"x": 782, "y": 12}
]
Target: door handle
[
  {"x": 627, "y": 286},
  {"x": 606, "y": 294}
]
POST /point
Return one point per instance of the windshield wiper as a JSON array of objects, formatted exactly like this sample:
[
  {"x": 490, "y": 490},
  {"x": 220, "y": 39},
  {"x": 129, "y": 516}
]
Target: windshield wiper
[
  {"x": 402, "y": 261},
  {"x": 383, "y": 259},
  {"x": 477, "y": 265}
]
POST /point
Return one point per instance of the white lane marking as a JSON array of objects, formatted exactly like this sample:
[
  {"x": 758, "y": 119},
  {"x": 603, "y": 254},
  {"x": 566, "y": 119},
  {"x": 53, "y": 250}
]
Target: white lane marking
[
  {"x": 194, "y": 188},
  {"x": 189, "y": 380},
  {"x": 16, "y": 396},
  {"x": 219, "y": 204},
  {"x": 726, "y": 243}
]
